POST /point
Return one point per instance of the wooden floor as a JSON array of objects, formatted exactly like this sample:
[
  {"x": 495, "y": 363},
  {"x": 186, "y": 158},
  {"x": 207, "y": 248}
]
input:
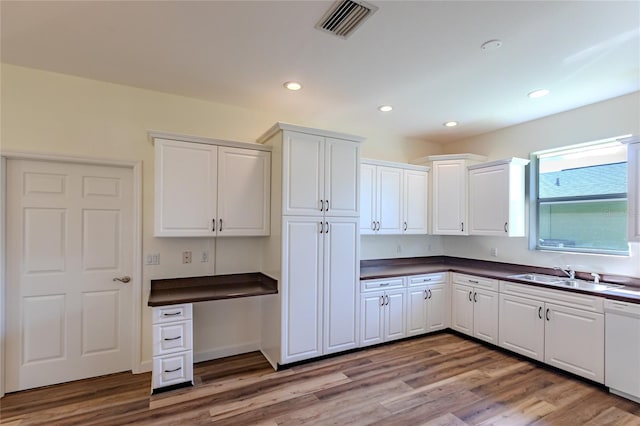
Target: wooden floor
[{"x": 440, "y": 379}]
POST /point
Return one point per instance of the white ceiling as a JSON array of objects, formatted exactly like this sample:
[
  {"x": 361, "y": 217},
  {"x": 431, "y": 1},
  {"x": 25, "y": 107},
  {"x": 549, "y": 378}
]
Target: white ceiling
[{"x": 422, "y": 57}]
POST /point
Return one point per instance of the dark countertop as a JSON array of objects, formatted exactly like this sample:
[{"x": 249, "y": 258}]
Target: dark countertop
[
  {"x": 173, "y": 291},
  {"x": 386, "y": 268}
]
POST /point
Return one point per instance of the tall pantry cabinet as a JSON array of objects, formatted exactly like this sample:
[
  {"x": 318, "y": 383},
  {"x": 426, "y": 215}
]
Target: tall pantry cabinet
[{"x": 314, "y": 245}]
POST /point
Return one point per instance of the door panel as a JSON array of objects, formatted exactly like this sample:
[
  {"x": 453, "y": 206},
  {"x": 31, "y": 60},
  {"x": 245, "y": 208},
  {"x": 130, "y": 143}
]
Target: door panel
[
  {"x": 303, "y": 180},
  {"x": 302, "y": 288},
  {"x": 368, "y": 190},
  {"x": 342, "y": 165},
  {"x": 341, "y": 280},
  {"x": 439, "y": 307},
  {"x": 462, "y": 309},
  {"x": 372, "y": 325},
  {"x": 485, "y": 315},
  {"x": 69, "y": 234},
  {"x": 522, "y": 326},
  {"x": 396, "y": 321},
  {"x": 389, "y": 200},
  {"x": 415, "y": 202},
  {"x": 416, "y": 311}
]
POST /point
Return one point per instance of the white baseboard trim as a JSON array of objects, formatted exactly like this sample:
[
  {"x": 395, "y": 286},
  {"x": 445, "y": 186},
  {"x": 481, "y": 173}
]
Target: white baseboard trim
[
  {"x": 144, "y": 367},
  {"x": 208, "y": 355},
  {"x": 269, "y": 360}
]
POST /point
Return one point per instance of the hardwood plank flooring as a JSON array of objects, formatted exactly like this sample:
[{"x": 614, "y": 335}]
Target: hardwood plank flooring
[{"x": 436, "y": 380}]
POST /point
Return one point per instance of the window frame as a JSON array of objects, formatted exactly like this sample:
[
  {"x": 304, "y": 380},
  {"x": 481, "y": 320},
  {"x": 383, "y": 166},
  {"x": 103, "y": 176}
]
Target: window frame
[{"x": 534, "y": 203}]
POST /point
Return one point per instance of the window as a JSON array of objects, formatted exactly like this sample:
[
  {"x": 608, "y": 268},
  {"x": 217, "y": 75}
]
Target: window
[{"x": 580, "y": 199}]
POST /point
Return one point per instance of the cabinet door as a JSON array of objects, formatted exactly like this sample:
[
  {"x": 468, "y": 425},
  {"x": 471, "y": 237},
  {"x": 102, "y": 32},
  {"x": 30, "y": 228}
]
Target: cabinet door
[
  {"x": 417, "y": 310},
  {"x": 574, "y": 341},
  {"x": 522, "y": 326},
  {"x": 489, "y": 200},
  {"x": 185, "y": 189},
  {"x": 302, "y": 288},
  {"x": 462, "y": 309},
  {"x": 303, "y": 174},
  {"x": 438, "y": 307},
  {"x": 367, "y": 199},
  {"x": 389, "y": 200},
  {"x": 633, "y": 191},
  {"x": 485, "y": 315},
  {"x": 341, "y": 280},
  {"x": 450, "y": 197},
  {"x": 243, "y": 192},
  {"x": 415, "y": 202},
  {"x": 395, "y": 317},
  {"x": 342, "y": 178},
  {"x": 622, "y": 349},
  {"x": 372, "y": 318}
]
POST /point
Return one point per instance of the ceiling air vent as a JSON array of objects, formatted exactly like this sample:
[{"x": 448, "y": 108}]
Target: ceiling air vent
[{"x": 345, "y": 16}]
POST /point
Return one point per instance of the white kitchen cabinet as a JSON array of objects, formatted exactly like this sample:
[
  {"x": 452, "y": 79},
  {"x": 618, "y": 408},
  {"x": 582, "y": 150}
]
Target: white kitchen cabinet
[
  {"x": 314, "y": 249},
  {"x": 562, "y": 329},
  {"x": 383, "y": 307},
  {"x": 205, "y": 190},
  {"x": 522, "y": 326},
  {"x": 450, "y": 191},
  {"x": 474, "y": 307},
  {"x": 319, "y": 292},
  {"x": 428, "y": 303},
  {"x": 574, "y": 341},
  {"x": 322, "y": 177},
  {"x": 172, "y": 346},
  {"x": 393, "y": 198},
  {"x": 633, "y": 189},
  {"x": 497, "y": 198},
  {"x": 622, "y": 348},
  {"x": 341, "y": 274}
]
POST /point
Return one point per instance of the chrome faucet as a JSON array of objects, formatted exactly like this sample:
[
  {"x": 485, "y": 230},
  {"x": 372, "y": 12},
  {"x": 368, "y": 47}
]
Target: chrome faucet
[
  {"x": 568, "y": 272},
  {"x": 596, "y": 278}
]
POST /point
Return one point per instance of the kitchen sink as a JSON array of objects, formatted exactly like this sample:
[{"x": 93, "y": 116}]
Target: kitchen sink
[
  {"x": 556, "y": 281},
  {"x": 538, "y": 278}
]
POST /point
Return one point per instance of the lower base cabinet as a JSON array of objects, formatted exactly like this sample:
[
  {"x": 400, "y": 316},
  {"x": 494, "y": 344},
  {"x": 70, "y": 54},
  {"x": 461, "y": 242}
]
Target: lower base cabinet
[
  {"x": 172, "y": 346},
  {"x": 622, "y": 348},
  {"x": 428, "y": 303},
  {"x": 383, "y": 307},
  {"x": 562, "y": 336},
  {"x": 475, "y": 307}
]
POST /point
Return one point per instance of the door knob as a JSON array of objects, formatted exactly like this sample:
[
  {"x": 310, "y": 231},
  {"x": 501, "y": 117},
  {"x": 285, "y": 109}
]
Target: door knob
[{"x": 124, "y": 279}]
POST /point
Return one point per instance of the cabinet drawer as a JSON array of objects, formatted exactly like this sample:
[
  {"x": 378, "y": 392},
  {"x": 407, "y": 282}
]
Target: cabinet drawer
[
  {"x": 383, "y": 284},
  {"x": 428, "y": 279},
  {"x": 560, "y": 297},
  {"x": 626, "y": 308},
  {"x": 172, "y": 369},
  {"x": 172, "y": 337},
  {"x": 474, "y": 281},
  {"x": 171, "y": 313}
]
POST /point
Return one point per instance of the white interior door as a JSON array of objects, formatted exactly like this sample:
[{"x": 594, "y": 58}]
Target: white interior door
[{"x": 69, "y": 229}]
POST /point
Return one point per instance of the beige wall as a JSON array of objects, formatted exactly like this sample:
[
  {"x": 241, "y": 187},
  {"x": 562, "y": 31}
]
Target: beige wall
[
  {"x": 611, "y": 118},
  {"x": 44, "y": 112}
]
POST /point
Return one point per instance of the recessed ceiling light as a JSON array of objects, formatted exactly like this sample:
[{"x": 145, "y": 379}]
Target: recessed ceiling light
[
  {"x": 450, "y": 124},
  {"x": 538, "y": 93},
  {"x": 293, "y": 85},
  {"x": 385, "y": 108},
  {"x": 491, "y": 45}
]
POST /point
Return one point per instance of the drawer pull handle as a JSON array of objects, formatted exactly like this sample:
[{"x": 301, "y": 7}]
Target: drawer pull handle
[
  {"x": 470, "y": 295},
  {"x": 172, "y": 338},
  {"x": 174, "y": 370},
  {"x": 426, "y": 295},
  {"x": 474, "y": 281},
  {"x": 547, "y": 314},
  {"x": 424, "y": 280},
  {"x": 384, "y": 284},
  {"x": 540, "y": 312},
  {"x": 429, "y": 293},
  {"x": 172, "y": 314},
  {"x": 475, "y": 297}
]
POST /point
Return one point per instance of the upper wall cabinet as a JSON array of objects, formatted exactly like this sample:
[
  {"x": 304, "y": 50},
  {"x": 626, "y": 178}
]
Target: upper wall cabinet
[
  {"x": 633, "y": 188},
  {"x": 323, "y": 175},
  {"x": 497, "y": 198},
  {"x": 393, "y": 198},
  {"x": 450, "y": 186},
  {"x": 205, "y": 190}
]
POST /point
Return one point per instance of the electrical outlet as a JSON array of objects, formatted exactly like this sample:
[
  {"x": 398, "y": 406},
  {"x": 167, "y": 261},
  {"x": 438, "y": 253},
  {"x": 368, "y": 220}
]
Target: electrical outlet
[
  {"x": 204, "y": 256},
  {"x": 186, "y": 257},
  {"x": 494, "y": 252}
]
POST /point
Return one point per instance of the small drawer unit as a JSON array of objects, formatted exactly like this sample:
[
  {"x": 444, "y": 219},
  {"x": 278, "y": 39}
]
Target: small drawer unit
[{"x": 172, "y": 346}]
